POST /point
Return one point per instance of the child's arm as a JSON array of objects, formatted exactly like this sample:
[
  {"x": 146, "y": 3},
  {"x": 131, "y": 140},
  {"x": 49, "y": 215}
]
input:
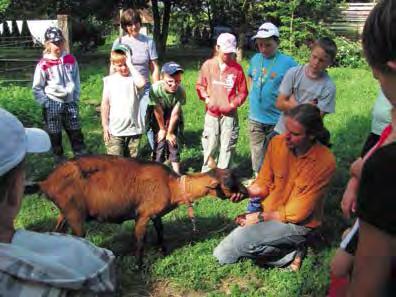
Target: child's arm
[
  {"x": 105, "y": 111},
  {"x": 201, "y": 85},
  {"x": 155, "y": 71},
  {"x": 39, "y": 81},
  {"x": 138, "y": 79},
  {"x": 242, "y": 91},
  {"x": 286, "y": 98},
  {"x": 76, "y": 80},
  {"x": 175, "y": 116},
  {"x": 285, "y": 102},
  {"x": 348, "y": 203},
  {"x": 159, "y": 116}
]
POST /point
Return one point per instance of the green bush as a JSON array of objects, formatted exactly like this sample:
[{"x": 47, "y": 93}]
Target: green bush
[{"x": 349, "y": 53}]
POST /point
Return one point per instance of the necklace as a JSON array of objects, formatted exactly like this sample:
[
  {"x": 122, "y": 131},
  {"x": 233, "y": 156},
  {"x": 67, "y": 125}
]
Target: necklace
[{"x": 264, "y": 78}]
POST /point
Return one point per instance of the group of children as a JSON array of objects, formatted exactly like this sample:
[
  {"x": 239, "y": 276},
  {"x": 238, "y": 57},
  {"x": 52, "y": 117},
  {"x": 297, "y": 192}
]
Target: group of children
[
  {"x": 221, "y": 85},
  {"x": 56, "y": 87}
]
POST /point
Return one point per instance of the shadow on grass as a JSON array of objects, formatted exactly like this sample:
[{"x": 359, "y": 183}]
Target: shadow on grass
[
  {"x": 177, "y": 234},
  {"x": 120, "y": 237},
  {"x": 347, "y": 143}
]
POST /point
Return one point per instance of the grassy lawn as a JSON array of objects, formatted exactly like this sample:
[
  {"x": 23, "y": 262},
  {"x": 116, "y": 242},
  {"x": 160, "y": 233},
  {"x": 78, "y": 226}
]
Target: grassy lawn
[{"x": 190, "y": 269}]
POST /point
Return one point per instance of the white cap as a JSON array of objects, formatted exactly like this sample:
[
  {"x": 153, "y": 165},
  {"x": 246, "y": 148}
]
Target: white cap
[
  {"x": 16, "y": 141},
  {"x": 227, "y": 43},
  {"x": 267, "y": 30}
]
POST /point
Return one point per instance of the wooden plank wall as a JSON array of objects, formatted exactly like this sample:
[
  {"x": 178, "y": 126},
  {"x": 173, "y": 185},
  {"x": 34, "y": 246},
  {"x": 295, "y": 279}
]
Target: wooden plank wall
[{"x": 351, "y": 21}]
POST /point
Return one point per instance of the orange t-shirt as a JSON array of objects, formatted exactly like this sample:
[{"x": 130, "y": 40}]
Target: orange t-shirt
[{"x": 294, "y": 186}]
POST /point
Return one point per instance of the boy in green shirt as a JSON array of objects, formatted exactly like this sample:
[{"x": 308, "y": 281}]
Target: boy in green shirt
[{"x": 167, "y": 96}]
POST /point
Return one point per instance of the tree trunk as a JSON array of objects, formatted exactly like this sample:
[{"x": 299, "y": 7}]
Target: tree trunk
[
  {"x": 241, "y": 43},
  {"x": 161, "y": 25},
  {"x": 242, "y": 30}
]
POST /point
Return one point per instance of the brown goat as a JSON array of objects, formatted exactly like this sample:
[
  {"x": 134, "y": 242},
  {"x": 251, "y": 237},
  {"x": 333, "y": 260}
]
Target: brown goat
[{"x": 115, "y": 189}]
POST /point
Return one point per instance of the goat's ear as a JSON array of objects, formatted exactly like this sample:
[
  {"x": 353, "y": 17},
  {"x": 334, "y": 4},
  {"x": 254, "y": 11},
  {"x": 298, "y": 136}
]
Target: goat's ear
[
  {"x": 213, "y": 183},
  {"x": 212, "y": 163}
]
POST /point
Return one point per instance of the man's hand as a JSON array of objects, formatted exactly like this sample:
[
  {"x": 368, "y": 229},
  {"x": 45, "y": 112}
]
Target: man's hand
[
  {"x": 236, "y": 197},
  {"x": 254, "y": 190},
  {"x": 171, "y": 138},
  {"x": 161, "y": 135},
  {"x": 248, "y": 219}
]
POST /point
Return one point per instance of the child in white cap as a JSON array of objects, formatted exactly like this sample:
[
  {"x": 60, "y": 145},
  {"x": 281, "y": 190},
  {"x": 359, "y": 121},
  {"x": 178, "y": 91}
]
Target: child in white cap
[
  {"x": 222, "y": 85},
  {"x": 41, "y": 264},
  {"x": 266, "y": 71}
]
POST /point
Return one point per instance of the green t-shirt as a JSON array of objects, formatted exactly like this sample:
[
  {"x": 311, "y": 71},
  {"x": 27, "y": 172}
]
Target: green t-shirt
[{"x": 158, "y": 95}]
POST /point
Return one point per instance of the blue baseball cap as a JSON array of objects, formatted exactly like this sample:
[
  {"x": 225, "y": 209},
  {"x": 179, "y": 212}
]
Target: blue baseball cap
[
  {"x": 171, "y": 68},
  {"x": 53, "y": 34}
]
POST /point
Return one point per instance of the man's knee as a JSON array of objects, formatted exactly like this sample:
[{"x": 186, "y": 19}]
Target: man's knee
[{"x": 225, "y": 254}]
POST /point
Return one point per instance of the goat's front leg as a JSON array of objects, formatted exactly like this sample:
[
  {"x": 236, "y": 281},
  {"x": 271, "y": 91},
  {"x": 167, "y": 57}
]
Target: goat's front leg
[
  {"x": 61, "y": 224},
  {"x": 159, "y": 227},
  {"x": 75, "y": 218},
  {"x": 140, "y": 232}
]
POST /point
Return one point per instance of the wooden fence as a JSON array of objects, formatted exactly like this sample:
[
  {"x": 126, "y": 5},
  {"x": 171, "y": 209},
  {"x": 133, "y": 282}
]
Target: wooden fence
[
  {"x": 352, "y": 19},
  {"x": 19, "y": 54}
]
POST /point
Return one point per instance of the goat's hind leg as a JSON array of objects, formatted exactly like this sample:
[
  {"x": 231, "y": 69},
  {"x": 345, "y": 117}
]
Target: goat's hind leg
[{"x": 159, "y": 227}]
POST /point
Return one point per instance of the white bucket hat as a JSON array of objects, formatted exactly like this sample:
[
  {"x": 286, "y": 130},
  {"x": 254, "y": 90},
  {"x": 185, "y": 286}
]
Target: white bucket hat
[
  {"x": 227, "y": 43},
  {"x": 16, "y": 141},
  {"x": 267, "y": 30}
]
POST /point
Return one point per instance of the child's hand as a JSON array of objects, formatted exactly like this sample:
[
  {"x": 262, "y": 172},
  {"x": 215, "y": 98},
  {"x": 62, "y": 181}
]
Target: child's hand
[
  {"x": 161, "y": 135},
  {"x": 212, "y": 107},
  {"x": 348, "y": 202},
  {"x": 292, "y": 101},
  {"x": 227, "y": 109},
  {"x": 171, "y": 138}
]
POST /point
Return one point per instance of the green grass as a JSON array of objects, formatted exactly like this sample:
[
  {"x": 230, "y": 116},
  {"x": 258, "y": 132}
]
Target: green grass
[{"x": 190, "y": 269}]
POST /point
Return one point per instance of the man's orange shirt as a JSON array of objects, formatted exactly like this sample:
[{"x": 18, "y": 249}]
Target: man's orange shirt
[{"x": 295, "y": 186}]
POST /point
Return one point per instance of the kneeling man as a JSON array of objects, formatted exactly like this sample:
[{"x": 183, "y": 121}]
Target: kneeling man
[{"x": 291, "y": 186}]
